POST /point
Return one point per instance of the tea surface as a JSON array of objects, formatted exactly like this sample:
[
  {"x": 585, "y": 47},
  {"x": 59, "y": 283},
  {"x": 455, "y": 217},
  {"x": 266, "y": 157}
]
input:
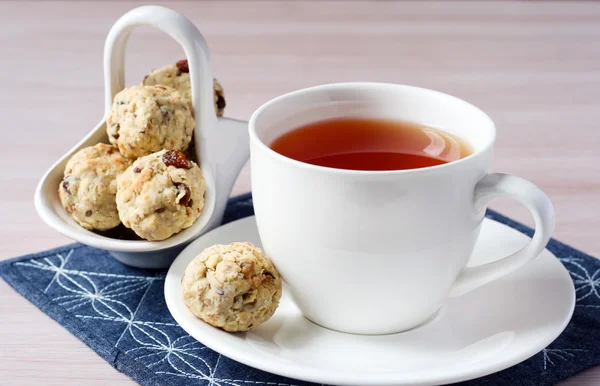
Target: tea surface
[{"x": 370, "y": 144}]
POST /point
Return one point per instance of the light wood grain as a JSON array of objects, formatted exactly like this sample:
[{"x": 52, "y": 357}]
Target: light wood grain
[{"x": 534, "y": 67}]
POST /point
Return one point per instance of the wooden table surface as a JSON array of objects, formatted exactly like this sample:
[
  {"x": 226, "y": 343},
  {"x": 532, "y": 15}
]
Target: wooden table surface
[{"x": 533, "y": 66}]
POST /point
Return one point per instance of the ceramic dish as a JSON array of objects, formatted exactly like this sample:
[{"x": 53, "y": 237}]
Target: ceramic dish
[{"x": 221, "y": 143}]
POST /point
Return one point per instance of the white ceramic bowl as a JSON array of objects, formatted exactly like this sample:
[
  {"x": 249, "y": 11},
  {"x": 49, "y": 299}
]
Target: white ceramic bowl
[{"x": 221, "y": 143}]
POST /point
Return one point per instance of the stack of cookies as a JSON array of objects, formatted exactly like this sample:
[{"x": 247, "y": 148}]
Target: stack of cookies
[{"x": 143, "y": 179}]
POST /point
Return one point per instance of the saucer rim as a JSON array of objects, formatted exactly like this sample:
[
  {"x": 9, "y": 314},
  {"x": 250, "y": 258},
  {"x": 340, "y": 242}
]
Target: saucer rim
[{"x": 321, "y": 376}]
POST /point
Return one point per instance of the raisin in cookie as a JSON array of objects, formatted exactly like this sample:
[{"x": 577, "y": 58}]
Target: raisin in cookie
[
  {"x": 147, "y": 119},
  {"x": 234, "y": 287},
  {"x": 177, "y": 76},
  {"x": 88, "y": 189},
  {"x": 160, "y": 195}
]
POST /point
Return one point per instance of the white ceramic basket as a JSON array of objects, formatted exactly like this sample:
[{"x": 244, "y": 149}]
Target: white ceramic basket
[{"x": 221, "y": 143}]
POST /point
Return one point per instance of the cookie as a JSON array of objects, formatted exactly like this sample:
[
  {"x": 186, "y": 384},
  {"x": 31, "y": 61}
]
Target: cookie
[
  {"x": 88, "y": 189},
  {"x": 160, "y": 195},
  {"x": 234, "y": 287},
  {"x": 147, "y": 119},
  {"x": 177, "y": 76}
]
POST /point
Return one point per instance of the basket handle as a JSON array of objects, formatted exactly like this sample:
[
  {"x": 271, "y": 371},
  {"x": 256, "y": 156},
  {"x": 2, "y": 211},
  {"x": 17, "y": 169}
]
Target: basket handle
[{"x": 184, "y": 32}]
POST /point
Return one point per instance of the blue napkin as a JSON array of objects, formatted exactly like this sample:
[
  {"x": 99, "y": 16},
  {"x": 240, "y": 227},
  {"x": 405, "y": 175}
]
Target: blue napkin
[{"x": 120, "y": 312}]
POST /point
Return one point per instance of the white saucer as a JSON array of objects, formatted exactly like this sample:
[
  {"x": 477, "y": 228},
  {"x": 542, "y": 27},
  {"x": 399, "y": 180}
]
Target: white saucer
[{"x": 482, "y": 332}]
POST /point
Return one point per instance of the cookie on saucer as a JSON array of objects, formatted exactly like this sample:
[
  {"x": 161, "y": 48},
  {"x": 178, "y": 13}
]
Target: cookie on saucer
[
  {"x": 234, "y": 287},
  {"x": 160, "y": 194}
]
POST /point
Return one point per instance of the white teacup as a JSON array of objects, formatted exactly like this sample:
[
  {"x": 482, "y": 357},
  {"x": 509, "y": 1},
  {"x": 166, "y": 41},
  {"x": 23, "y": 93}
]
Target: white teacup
[{"x": 375, "y": 252}]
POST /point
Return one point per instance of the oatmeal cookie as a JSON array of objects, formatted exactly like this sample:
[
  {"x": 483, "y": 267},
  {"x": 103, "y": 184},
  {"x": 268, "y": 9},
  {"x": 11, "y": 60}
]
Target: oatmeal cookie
[
  {"x": 160, "y": 195},
  {"x": 177, "y": 76},
  {"x": 88, "y": 189},
  {"x": 234, "y": 287},
  {"x": 147, "y": 119}
]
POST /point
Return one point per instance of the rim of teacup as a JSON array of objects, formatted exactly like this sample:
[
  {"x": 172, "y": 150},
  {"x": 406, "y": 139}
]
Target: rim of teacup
[{"x": 255, "y": 138}]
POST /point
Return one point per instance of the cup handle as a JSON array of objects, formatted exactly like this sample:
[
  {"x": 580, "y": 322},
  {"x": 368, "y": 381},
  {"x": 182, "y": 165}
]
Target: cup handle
[{"x": 495, "y": 185}]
